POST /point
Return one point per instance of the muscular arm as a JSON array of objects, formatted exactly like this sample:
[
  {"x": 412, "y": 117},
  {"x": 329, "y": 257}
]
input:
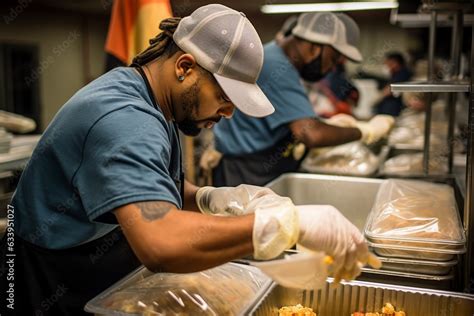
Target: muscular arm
[
  {"x": 313, "y": 133},
  {"x": 190, "y": 196},
  {"x": 165, "y": 238}
]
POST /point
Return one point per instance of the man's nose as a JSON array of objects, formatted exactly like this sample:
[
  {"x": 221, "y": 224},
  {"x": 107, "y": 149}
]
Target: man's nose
[{"x": 227, "y": 111}]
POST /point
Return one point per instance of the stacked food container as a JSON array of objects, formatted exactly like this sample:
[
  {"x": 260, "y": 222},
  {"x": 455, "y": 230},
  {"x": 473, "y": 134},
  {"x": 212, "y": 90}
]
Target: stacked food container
[
  {"x": 415, "y": 228},
  {"x": 229, "y": 289}
]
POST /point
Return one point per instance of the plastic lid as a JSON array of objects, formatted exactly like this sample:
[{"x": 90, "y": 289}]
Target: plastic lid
[
  {"x": 225, "y": 290},
  {"x": 415, "y": 211}
]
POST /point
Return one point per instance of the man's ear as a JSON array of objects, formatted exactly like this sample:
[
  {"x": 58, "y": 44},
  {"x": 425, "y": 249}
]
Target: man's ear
[
  {"x": 316, "y": 50},
  {"x": 184, "y": 65}
]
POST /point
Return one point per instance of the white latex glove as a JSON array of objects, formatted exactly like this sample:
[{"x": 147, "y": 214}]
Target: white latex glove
[
  {"x": 324, "y": 228},
  {"x": 342, "y": 120},
  {"x": 229, "y": 201},
  {"x": 375, "y": 129},
  {"x": 276, "y": 225},
  {"x": 298, "y": 151},
  {"x": 210, "y": 159},
  {"x": 16, "y": 123}
]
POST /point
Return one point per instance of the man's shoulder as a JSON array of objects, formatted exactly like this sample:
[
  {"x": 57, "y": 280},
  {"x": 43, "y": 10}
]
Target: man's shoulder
[{"x": 274, "y": 54}]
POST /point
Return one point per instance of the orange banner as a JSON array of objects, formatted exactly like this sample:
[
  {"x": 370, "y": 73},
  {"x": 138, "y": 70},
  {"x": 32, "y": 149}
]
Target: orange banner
[{"x": 132, "y": 24}]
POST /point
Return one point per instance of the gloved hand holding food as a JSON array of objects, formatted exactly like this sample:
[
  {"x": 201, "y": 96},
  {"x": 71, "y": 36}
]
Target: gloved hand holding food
[
  {"x": 276, "y": 225},
  {"x": 210, "y": 159},
  {"x": 342, "y": 120},
  {"x": 372, "y": 131},
  {"x": 229, "y": 201},
  {"x": 279, "y": 224},
  {"x": 324, "y": 228},
  {"x": 375, "y": 129}
]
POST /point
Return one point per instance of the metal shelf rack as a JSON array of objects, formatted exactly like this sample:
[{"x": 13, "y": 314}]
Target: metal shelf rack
[
  {"x": 431, "y": 87},
  {"x": 454, "y": 13}
]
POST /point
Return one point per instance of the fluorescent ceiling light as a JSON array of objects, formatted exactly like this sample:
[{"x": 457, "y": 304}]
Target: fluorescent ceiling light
[{"x": 321, "y": 7}]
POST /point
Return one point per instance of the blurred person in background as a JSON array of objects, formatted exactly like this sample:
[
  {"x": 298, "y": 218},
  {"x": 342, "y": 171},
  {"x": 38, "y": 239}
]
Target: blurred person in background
[
  {"x": 335, "y": 94},
  {"x": 286, "y": 28},
  {"x": 396, "y": 68},
  {"x": 256, "y": 151}
]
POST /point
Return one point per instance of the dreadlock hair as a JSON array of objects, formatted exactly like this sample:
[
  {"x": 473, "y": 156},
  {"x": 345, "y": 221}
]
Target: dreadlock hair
[{"x": 161, "y": 45}]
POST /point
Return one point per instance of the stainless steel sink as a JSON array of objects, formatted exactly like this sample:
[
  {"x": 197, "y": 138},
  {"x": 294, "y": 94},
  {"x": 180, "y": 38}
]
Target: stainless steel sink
[{"x": 351, "y": 195}]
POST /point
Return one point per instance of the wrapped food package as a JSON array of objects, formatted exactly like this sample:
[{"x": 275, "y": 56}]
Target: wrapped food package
[
  {"x": 410, "y": 164},
  {"x": 415, "y": 219},
  {"x": 413, "y": 138},
  {"x": 410, "y": 126},
  {"x": 224, "y": 290},
  {"x": 348, "y": 159}
]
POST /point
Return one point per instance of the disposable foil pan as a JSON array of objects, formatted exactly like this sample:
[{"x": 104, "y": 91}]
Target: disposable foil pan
[{"x": 367, "y": 297}]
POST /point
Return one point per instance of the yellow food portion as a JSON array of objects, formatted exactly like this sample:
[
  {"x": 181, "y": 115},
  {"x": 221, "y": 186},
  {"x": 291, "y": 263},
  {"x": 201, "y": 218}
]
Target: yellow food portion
[
  {"x": 374, "y": 262},
  {"x": 297, "y": 310},
  {"x": 328, "y": 260},
  {"x": 387, "y": 310}
]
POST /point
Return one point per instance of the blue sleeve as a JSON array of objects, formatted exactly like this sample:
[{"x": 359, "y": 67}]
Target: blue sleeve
[
  {"x": 125, "y": 160},
  {"x": 290, "y": 104},
  {"x": 286, "y": 93}
]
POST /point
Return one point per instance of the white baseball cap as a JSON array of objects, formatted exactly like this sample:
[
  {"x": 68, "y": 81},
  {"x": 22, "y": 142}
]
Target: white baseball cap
[
  {"x": 338, "y": 31},
  {"x": 225, "y": 43}
]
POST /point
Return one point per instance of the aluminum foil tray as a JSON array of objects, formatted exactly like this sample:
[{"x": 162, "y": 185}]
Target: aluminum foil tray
[{"x": 367, "y": 297}]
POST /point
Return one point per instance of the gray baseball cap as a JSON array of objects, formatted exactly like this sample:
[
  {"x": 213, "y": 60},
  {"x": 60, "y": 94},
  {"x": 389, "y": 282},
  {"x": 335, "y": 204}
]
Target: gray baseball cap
[
  {"x": 338, "y": 31},
  {"x": 225, "y": 43}
]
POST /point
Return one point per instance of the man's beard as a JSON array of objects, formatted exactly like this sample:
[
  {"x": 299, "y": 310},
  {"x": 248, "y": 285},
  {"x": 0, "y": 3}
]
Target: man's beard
[{"x": 190, "y": 106}]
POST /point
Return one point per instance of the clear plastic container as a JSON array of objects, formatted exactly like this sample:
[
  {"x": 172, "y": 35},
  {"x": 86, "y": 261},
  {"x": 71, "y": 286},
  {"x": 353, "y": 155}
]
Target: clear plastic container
[
  {"x": 415, "y": 214},
  {"x": 230, "y": 289},
  {"x": 415, "y": 252},
  {"x": 418, "y": 266}
]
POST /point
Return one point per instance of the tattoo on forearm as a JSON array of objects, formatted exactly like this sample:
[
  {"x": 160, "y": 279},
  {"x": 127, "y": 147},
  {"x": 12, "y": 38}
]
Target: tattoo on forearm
[{"x": 154, "y": 210}]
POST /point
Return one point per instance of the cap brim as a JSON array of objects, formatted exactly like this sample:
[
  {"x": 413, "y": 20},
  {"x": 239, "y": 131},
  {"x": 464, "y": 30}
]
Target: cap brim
[
  {"x": 350, "y": 52},
  {"x": 247, "y": 97}
]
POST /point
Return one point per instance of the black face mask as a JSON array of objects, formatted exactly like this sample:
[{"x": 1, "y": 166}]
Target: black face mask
[{"x": 312, "y": 71}]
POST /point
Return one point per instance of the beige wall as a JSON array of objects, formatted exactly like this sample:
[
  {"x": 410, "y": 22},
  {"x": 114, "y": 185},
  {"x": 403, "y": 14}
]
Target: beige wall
[
  {"x": 59, "y": 37},
  {"x": 378, "y": 37}
]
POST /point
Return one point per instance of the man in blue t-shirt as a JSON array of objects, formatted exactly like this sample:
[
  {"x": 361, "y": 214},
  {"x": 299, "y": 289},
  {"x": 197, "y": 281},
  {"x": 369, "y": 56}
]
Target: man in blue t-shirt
[
  {"x": 255, "y": 151},
  {"x": 104, "y": 189}
]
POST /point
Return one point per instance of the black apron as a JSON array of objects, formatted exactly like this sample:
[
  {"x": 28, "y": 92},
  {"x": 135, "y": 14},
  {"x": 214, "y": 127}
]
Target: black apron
[
  {"x": 61, "y": 282},
  {"x": 257, "y": 168}
]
